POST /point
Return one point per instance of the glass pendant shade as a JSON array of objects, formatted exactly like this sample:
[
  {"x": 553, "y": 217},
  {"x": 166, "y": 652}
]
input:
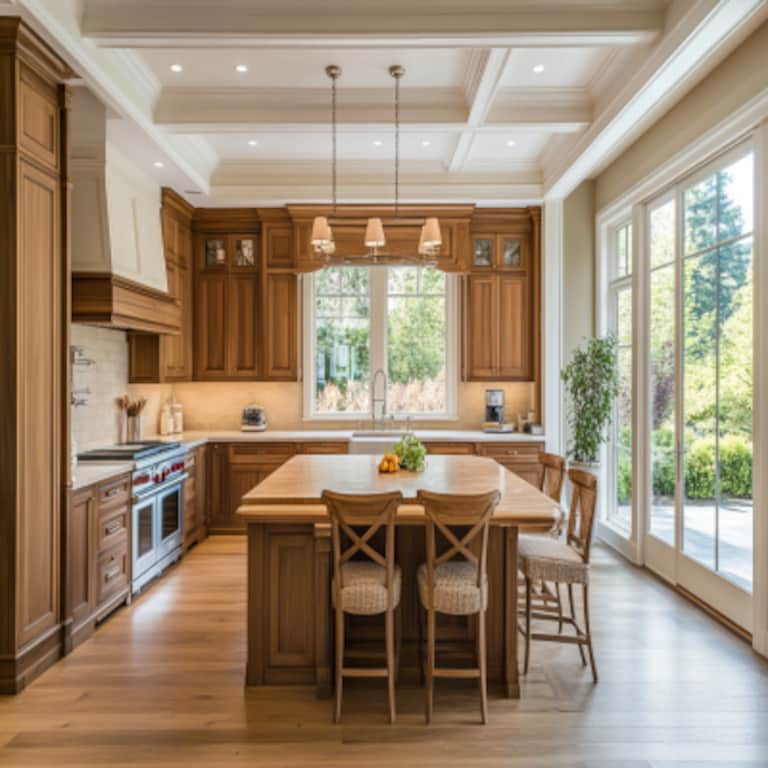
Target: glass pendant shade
[{"x": 374, "y": 234}]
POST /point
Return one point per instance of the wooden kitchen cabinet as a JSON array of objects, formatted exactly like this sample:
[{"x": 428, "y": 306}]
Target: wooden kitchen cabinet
[
  {"x": 98, "y": 556},
  {"x": 235, "y": 469},
  {"x": 195, "y": 497},
  {"x": 281, "y": 333},
  {"x": 227, "y": 308},
  {"x": 520, "y": 458},
  {"x": 156, "y": 358},
  {"x": 81, "y": 550},
  {"x": 498, "y": 343}
]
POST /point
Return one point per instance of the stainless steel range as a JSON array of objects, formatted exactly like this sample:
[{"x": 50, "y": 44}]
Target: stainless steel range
[{"x": 158, "y": 514}]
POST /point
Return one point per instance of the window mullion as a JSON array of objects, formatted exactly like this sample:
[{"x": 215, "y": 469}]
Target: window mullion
[{"x": 378, "y": 319}]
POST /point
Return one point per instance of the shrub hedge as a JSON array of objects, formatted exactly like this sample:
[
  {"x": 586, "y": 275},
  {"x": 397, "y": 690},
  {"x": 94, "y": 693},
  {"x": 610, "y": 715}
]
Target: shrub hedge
[{"x": 735, "y": 466}]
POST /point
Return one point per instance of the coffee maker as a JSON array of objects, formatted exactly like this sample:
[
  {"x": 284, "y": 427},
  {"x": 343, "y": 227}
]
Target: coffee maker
[{"x": 494, "y": 412}]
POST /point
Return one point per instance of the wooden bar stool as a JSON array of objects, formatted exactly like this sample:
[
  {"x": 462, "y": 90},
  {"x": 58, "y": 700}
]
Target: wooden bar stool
[
  {"x": 364, "y": 587},
  {"x": 546, "y": 597},
  {"x": 456, "y": 586},
  {"x": 543, "y": 559}
]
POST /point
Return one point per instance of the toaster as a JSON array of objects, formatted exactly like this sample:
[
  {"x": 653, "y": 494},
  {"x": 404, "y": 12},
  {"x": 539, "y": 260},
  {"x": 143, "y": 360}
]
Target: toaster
[{"x": 254, "y": 419}]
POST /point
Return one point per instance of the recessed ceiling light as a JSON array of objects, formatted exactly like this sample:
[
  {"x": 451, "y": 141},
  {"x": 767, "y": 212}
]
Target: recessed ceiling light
[
  {"x": 426, "y": 143},
  {"x": 511, "y": 143},
  {"x": 538, "y": 69},
  {"x": 241, "y": 68},
  {"x": 176, "y": 68},
  {"x": 377, "y": 142},
  {"x": 158, "y": 164},
  {"x": 252, "y": 142}
]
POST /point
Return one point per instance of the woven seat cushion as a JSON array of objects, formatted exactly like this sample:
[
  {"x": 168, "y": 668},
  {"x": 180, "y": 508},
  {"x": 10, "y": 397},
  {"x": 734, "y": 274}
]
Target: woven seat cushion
[
  {"x": 364, "y": 587},
  {"x": 542, "y": 558},
  {"x": 456, "y": 591}
]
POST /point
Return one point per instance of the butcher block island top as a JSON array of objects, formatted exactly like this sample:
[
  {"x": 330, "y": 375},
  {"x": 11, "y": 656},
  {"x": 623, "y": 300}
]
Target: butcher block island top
[{"x": 292, "y": 493}]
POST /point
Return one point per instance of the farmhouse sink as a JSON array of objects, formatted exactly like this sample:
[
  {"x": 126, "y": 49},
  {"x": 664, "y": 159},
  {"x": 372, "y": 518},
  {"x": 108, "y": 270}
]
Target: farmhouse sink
[{"x": 373, "y": 443}]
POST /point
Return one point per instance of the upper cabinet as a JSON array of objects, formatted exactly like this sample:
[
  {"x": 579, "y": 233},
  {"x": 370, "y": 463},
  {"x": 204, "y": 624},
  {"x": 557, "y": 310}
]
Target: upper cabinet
[
  {"x": 227, "y": 307},
  {"x": 501, "y": 297},
  {"x": 156, "y": 357}
]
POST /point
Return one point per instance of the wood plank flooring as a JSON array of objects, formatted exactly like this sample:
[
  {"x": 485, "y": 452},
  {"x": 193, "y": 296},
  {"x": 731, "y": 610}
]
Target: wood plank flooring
[{"x": 161, "y": 684}]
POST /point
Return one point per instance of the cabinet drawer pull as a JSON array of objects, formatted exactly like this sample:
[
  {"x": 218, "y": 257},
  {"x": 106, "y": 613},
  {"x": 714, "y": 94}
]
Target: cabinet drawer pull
[
  {"x": 112, "y": 571},
  {"x": 116, "y": 491},
  {"x": 114, "y": 527}
]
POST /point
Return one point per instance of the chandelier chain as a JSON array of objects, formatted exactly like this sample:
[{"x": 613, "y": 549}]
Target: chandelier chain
[{"x": 397, "y": 145}]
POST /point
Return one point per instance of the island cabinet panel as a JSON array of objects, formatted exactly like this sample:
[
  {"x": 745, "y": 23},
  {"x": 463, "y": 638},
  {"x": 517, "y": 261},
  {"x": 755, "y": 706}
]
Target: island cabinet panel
[{"x": 291, "y": 601}]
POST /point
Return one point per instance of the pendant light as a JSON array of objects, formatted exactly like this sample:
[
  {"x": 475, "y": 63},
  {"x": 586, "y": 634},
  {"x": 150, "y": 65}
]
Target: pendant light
[
  {"x": 430, "y": 239},
  {"x": 322, "y": 235}
]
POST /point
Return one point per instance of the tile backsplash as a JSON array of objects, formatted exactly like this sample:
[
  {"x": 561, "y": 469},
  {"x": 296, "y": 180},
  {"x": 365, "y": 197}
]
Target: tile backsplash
[{"x": 218, "y": 405}]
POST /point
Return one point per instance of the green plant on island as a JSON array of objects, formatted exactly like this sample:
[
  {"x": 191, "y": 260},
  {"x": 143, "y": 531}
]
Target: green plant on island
[{"x": 412, "y": 453}]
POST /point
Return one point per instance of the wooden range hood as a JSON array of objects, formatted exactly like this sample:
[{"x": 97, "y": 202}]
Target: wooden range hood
[{"x": 109, "y": 300}]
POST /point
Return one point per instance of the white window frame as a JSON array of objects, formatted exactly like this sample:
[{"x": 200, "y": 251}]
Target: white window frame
[
  {"x": 749, "y": 122},
  {"x": 616, "y": 283},
  {"x": 378, "y": 347}
]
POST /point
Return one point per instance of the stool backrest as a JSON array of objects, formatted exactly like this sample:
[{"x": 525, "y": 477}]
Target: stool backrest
[
  {"x": 552, "y": 475},
  {"x": 581, "y": 518},
  {"x": 445, "y": 512},
  {"x": 371, "y": 511}
]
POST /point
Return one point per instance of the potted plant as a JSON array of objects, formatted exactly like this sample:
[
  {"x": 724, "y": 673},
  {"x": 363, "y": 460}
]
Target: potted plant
[{"x": 592, "y": 383}]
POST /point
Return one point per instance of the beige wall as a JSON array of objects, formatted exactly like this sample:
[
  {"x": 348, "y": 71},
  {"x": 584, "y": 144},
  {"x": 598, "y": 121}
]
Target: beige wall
[
  {"x": 218, "y": 405},
  {"x": 578, "y": 267},
  {"x": 732, "y": 84}
]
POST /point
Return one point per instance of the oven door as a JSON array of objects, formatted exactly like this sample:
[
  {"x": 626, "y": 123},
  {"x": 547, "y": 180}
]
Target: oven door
[
  {"x": 144, "y": 535},
  {"x": 169, "y": 519}
]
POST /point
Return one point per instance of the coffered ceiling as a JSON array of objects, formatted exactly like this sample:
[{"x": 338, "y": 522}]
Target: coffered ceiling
[{"x": 503, "y": 100}]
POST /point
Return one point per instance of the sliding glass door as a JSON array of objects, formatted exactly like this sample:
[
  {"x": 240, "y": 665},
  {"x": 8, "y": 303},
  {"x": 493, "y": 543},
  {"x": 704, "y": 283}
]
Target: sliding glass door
[{"x": 699, "y": 395}]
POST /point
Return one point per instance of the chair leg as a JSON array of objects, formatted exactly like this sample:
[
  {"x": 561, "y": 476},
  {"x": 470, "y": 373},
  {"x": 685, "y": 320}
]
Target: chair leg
[
  {"x": 339, "y": 661},
  {"x": 528, "y": 587},
  {"x": 573, "y": 616},
  {"x": 559, "y": 608},
  {"x": 482, "y": 663},
  {"x": 430, "y": 663},
  {"x": 589, "y": 634},
  {"x": 390, "y": 641},
  {"x": 398, "y": 639},
  {"x": 421, "y": 649}
]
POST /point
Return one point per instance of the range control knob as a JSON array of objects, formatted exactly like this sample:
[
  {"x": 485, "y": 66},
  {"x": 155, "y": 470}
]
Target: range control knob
[{"x": 156, "y": 477}]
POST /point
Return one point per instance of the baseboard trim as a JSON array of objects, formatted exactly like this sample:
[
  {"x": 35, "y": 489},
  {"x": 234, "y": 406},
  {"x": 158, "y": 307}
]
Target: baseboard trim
[
  {"x": 714, "y": 613},
  {"x": 17, "y": 672}
]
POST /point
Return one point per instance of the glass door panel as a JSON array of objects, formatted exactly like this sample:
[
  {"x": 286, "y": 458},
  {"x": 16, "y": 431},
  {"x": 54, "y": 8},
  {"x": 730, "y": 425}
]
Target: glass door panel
[
  {"x": 662, "y": 226},
  {"x": 620, "y": 512},
  {"x": 700, "y": 408}
]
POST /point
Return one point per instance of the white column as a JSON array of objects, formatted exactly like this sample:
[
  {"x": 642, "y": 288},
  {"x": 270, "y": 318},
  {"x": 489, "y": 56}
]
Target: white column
[
  {"x": 760, "y": 398},
  {"x": 552, "y": 330}
]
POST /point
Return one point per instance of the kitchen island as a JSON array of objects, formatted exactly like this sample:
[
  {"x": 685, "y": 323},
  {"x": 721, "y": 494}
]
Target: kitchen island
[{"x": 289, "y": 562}]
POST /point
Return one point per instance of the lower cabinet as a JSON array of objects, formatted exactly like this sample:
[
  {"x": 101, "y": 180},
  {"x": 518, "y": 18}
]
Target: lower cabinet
[
  {"x": 520, "y": 458},
  {"x": 97, "y": 556},
  {"x": 235, "y": 469},
  {"x": 196, "y": 497}
]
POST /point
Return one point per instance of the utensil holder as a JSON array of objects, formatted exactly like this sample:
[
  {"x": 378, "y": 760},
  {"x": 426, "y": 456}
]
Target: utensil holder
[{"x": 133, "y": 429}]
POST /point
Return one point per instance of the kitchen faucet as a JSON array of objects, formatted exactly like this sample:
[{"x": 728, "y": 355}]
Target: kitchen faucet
[{"x": 374, "y": 399}]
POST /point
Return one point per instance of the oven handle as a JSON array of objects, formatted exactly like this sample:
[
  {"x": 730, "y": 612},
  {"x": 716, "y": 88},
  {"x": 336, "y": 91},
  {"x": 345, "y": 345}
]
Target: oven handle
[{"x": 158, "y": 489}]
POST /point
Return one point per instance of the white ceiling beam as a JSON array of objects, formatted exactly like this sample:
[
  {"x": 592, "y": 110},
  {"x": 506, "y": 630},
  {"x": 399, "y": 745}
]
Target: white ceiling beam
[
  {"x": 483, "y": 81},
  {"x": 235, "y": 109},
  {"x": 672, "y": 66},
  {"x": 339, "y": 23},
  {"x": 555, "y": 110}
]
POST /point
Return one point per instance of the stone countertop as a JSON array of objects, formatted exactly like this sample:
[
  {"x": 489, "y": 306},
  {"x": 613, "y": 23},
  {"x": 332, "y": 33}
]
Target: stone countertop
[
  {"x": 195, "y": 438},
  {"x": 89, "y": 473}
]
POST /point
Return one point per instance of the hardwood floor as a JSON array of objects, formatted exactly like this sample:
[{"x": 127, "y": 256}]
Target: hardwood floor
[{"x": 161, "y": 684}]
